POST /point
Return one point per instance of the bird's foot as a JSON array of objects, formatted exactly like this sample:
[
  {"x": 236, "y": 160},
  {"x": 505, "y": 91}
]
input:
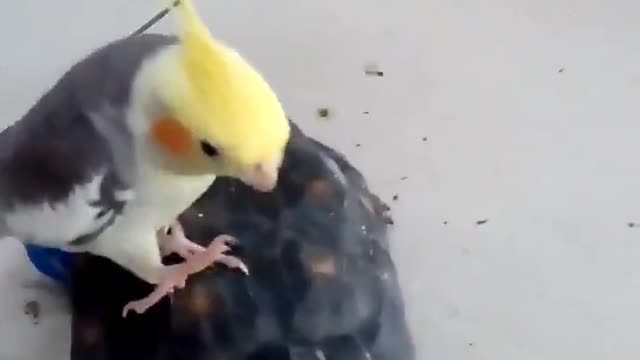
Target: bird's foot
[
  {"x": 172, "y": 239},
  {"x": 175, "y": 276},
  {"x": 216, "y": 252}
]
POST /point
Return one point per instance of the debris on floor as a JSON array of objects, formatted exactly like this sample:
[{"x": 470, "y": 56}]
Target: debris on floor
[
  {"x": 32, "y": 309},
  {"x": 323, "y": 113},
  {"x": 372, "y": 69},
  {"x": 482, "y": 222}
]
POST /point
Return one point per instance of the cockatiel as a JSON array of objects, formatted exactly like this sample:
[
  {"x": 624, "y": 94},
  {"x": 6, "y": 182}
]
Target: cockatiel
[{"x": 129, "y": 138}]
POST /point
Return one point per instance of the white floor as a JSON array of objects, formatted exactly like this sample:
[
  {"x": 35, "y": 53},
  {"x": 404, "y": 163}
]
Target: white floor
[{"x": 532, "y": 121}]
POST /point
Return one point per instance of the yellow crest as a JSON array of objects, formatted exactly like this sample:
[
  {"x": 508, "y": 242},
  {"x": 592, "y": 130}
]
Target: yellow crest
[{"x": 227, "y": 100}]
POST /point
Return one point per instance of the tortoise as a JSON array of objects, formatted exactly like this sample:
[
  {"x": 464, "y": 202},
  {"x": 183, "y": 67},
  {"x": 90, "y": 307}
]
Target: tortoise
[{"x": 322, "y": 283}]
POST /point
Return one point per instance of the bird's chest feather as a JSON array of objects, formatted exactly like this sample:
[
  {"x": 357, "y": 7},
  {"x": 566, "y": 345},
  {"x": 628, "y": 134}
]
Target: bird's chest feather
[{"x": 162, "y": 196}]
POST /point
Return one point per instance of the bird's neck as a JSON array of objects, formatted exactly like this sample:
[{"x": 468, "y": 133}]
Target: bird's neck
[
  {"x": 158, "y": 79},
  {"x": 148, "y": 103}
]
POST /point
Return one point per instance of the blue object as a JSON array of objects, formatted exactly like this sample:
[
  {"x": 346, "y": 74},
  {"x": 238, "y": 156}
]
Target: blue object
[{"x": 51, "y": 262}]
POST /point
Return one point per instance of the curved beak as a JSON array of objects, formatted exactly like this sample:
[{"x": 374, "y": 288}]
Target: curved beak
[{"x": 262, "y": 177}]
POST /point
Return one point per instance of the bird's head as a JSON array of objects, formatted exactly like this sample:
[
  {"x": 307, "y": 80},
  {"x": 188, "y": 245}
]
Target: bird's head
[{"x": 219, "y": 114}]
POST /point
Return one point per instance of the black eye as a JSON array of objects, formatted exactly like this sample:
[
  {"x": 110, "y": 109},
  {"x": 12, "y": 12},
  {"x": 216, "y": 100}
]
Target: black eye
[{"x": 209, "y": 149}]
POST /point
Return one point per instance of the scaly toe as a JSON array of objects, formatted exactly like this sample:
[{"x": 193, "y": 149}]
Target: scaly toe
[
  {"x": 189, "y": 249},
  {"x": 175, "y": 276},
  {"x": 225, "y": 239},
  {"x": 138, "y": 306},
  {"x": 233, "y": 263}
]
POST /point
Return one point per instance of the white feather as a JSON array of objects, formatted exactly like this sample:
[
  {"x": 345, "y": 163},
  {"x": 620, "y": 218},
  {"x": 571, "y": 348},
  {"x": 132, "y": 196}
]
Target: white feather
[
  {"x": 58, "y": 223},
  {"x": 124, "y": 195}
]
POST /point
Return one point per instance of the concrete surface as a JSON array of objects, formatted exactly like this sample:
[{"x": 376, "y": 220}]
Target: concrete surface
[{"x": 530, "y": 114}]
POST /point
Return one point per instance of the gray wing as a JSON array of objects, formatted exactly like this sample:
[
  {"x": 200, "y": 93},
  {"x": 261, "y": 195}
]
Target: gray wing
[
  {"x": 67, "y": 167},
  {"x": 66, "y": 177}
]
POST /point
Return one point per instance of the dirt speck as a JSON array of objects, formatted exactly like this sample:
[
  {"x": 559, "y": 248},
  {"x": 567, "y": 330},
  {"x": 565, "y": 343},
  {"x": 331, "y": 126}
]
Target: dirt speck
[
  {"x": 482, "y": 222},
  {"x": 358, "y": 145},
  {"x": 395, "y": 197},
  {"x": 470, "y": 344},
  {"x": 365, "y": 112},
  {"x": 445, "y": 222},
  {"x": 404, "y": 178},
  {"x": 561, "y": 70},
  {"x": 424, "y": 138},
  {"x": 373, "y": 70},
  {"x": 32, "y": 309},
  {"x": 375, "y": 73},
  {"x": 632, "y": 224},
  {"x": 323, "y": 113}
]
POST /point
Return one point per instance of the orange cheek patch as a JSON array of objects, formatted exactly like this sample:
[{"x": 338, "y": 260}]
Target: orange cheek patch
[{"x": 171, "y": 136}]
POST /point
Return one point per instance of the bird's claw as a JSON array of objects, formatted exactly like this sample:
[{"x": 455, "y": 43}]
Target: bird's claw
[
  {"x": 233, "y": 263},
  {"x": 175, "y": 276},
  {"x": 188, "y": 249},
  {"x": 139, "y": 306},
  {"x": 172, "y": 240},
  {"x": 217, "y": 253}
]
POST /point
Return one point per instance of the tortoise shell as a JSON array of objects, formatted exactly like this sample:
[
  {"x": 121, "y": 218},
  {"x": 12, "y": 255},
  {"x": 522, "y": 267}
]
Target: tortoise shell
[{"x": 322, "y": 282}]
